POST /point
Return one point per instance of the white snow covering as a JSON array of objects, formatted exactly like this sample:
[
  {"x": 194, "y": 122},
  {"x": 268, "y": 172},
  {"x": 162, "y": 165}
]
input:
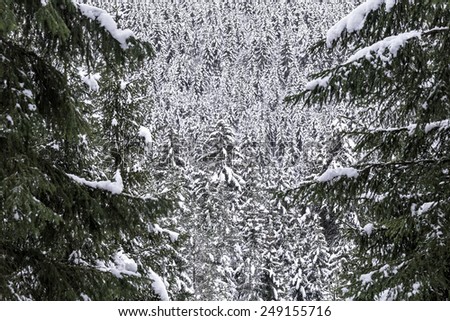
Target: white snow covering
[
  {"x": 226, "y": 174},
  {"x": 75, "y": 257},
  {"x": 115, "y": 187},
  {"x": 374, "y": 197},
  {"x": 121, "y": 265},
  {"x": 123, "y": 84},
  {"x": 114, "y": 122},
  {"x": 234, "y": 178},
  {"x": 387, "y": 295},
  {"x": 85, "y": 297},
  {"x": 425, "y": 207},
  {"x": 366, "y": 278},
  {"x": 159, "y": 286},
  {"x": 368, "y": 229},
  {"x": 145, "y": 132},
  {"x": 90, "y": 80},
  {"x": 172, "y": 235},
  {"x": 10, "y": 120},
  {"x": 44, "y": 2},
  {"x": 106, "y": 21},
  {"x": 320, "y": 82},
  {"x": 410, "y": 128},
  {"x": 392, "y": 43},
  {"x": 28, "y": 93},
  {"x": 337, "y": 172},
  {"x": 354, "y": 21},
  {"x": 443, "y": 124}
]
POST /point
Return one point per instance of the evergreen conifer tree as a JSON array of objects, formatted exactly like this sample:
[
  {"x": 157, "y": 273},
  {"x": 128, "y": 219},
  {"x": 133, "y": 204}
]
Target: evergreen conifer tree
[
  {"x": 76, "y": 223},
  {"x": 398, "y": 79}
]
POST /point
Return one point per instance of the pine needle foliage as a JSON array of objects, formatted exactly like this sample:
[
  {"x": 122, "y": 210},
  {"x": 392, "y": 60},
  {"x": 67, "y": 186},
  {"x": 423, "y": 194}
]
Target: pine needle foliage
[
  {"x": 62, "y": 240},
  {"x": 398, "y": 80}
]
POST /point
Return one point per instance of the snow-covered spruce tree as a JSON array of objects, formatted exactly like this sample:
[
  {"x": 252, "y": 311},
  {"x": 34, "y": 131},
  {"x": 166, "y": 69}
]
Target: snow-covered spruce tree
[
  {"x": 216, "y": 191},
  {"x": 68, "y": 231},
  {"x": 399, "y": 78}
]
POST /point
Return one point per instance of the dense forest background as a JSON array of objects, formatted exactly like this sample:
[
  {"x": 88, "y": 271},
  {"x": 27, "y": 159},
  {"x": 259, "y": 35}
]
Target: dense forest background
[{"x": 225, "y": 141}]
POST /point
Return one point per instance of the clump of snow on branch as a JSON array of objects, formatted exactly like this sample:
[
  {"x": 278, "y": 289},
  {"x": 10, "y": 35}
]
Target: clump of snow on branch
[
  {"x": 10, "y": 120},
  {"x": 172, "y": 235},
  {"x": 119, "y": 266},
  {"x": 416, "y": 287},
  {"x": 27, "y": 93},
  {"x": 443, "y": 124},
  {"x": 76, "y": 258},
  {"x": 320, "y": 82},
  {"x": 437, "y": 125},
  {"x": 91, "y": 80},
  {"x": 106, "y": 21},
  {"x": 337, "y": 172},
  {"x": 368, "y": 229},
  {"x": 393, "y": 44},
  {"x": 424, "y": 208},
  {"x": 123, "y": 84},
  {"x": 115, "y": 187},
  {"x": 85, "y": 297},
  {"x": 124, "y": 265},
  {"x": 356, "y": 19},
  {"x": 158, "y": 286},
  {"x": 145, "y": 133},
  {"x": 366, "y": 278}
]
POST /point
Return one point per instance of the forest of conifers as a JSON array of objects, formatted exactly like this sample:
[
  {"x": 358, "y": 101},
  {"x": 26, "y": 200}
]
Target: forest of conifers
[{"x": 224, "y": 150}]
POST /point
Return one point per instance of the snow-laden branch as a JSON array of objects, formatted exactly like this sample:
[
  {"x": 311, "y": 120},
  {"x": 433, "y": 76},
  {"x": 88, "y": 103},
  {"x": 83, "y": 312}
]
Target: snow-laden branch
[
  {"x": 439, "y": 125},
  {"x": 158, "y": 286},
  {"x": 107, "y": 22},
  {"x": 121, "y": 265},
  {"x": 355, "y": 21},
  {"x": 337, "y": 172},
  {"x": 353, "y": 172},
  {"x": 172, "y": 235},
  {"x": 318, "y": 82},
  {"x": 385, "y": 49},
  {"x": 392, "y": 43},
  {"x": 113, "y": 187}
]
